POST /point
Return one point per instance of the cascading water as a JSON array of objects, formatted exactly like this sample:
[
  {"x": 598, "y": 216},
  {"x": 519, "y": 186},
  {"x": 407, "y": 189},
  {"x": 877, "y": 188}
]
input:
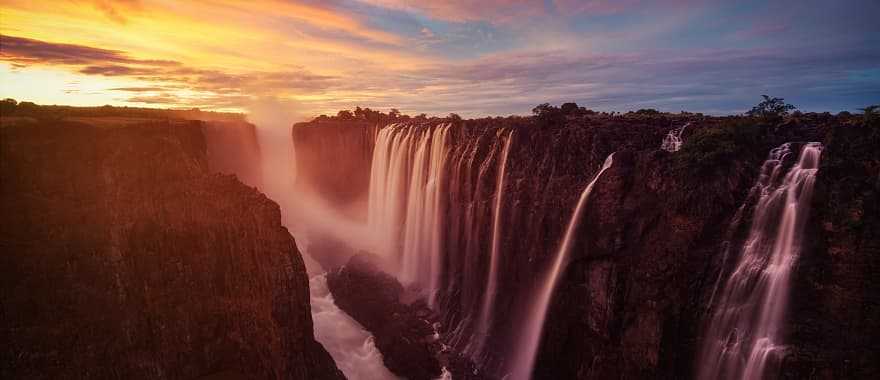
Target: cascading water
[
  {"x": 492, "y": 281},
  {"x": 406, "y": 187},
  {"x": 673, "y": 142},
  {"x": 417, "y": 174},
  {"x": 530, "y": 341},
  {"x": 744, "y": 335}
]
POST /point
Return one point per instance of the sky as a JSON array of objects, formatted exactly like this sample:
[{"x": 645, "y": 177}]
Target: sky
[{"x": 474, "y": 58}]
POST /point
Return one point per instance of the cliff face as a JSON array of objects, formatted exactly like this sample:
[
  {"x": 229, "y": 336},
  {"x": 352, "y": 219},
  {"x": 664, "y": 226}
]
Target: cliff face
[
  {"x": 123, "y": 256},
  {"x": 835, "y": 313},
  {"x": 649, "y": 250},
  {"x": 232, "y": 148},
  {"x": 631, "y": 302},
  {"x": 333, "y": 158}
]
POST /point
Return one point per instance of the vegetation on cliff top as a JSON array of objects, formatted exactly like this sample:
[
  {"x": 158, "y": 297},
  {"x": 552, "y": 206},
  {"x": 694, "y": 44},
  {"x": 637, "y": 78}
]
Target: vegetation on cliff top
[{"x": 12, "y": 108}]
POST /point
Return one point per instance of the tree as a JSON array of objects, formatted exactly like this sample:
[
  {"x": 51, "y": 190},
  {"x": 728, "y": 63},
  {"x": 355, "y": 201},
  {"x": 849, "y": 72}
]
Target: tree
[
  {"x": 454, "y": 117},
  {"x": 7, "y": 106},
  {"x": 569, "y": 108},
  {"x": 548, "y": 115},
  {"x": 872, "y": 113},
  {"x": 771, "y": 108},
  {"x": 394, "y": 113},
  {"x": 543, "y": 109},
  {"x": 344, "y": 114}
]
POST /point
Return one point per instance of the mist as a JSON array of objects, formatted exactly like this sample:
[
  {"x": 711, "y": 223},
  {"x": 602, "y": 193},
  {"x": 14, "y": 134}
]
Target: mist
[{"x": 309, "y": 217}]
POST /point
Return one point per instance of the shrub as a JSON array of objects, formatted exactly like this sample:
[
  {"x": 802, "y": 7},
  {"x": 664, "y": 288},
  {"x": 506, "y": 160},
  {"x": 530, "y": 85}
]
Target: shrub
[
  {"x": 718, "y": 147},
  {"x": 647, "y": 111}
]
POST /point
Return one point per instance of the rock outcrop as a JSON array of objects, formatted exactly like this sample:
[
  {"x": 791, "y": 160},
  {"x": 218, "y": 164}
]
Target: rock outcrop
[
  {"x": 402, "y": 323},
  {"x": 123, "y": 256}
]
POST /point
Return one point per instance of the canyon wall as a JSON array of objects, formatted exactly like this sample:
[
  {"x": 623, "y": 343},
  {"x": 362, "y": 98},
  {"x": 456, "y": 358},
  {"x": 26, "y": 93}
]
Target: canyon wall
[
  {"x": 333, "y": 158},
  {"x": 835, "y": 305},
  {"x": 232, "y": 148},
  {"x": 649, "y": 250},
  {"x": 125, "y": 256}
]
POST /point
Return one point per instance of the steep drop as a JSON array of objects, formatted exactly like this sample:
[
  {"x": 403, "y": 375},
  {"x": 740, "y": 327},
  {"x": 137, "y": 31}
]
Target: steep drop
[
  {"x": 744, "y": 336},
  {"x": 531, "y": 339},
  {"x": 492, "y": 281}
]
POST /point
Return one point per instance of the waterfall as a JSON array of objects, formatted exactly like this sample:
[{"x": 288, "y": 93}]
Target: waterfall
[
  {"x": 530, "y": 341},
  {"x": 672, "y": 142},
  {"x": 492, "y": 281},
  {"x": 744, "y": 334},
  {"x": 406, "y": 187}
]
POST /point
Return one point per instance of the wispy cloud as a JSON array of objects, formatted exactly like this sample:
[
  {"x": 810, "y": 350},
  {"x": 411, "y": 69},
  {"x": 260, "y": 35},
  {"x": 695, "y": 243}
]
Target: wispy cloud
[
  {"x": 212, "y": 85},
  {"x": 472, "y": 58},
  {"x": 30, "y": 51}
]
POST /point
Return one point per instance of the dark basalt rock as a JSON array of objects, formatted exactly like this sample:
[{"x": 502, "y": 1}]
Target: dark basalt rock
[
  {"x": 402, "y": 332},
  {"x": 123, "y": 256},
  {"x": 404, "y": 327},
  {"x": 835, "y": 297}
]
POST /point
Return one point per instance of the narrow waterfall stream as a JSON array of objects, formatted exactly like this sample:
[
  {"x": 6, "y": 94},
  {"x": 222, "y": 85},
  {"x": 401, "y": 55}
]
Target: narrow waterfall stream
[
  {"x": 744, "y": 336},
  {"x": 673, "y": 141},
  {"x": 492, "y": 282},
  {"x": 530, "y": 341}
]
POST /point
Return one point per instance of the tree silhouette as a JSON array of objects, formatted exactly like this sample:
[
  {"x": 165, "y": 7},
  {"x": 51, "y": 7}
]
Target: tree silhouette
[
  {"x": 872, "y": 113},
  {"x": 771, "y": 108}
]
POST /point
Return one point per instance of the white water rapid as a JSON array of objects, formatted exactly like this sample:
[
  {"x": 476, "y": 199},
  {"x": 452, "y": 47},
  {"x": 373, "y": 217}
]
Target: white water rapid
[
  {"x": 527, "y": 350},
  {"x": 743, "y": 339},
  {"x": 351, "y": 347}
]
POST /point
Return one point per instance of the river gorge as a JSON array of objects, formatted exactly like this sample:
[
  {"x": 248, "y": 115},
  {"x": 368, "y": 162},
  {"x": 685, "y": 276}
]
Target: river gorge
[{"x": 587, "y": 246}]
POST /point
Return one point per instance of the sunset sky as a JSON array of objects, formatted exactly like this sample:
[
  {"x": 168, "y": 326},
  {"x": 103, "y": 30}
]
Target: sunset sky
[{"x": 474, "y": 58}]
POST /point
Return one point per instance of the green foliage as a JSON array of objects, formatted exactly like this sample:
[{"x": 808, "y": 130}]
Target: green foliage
[
  {"x": 717, "y": 147},
  {"x": 648, "y": 111},
  {"x": 548, "y": 116},
  {"x": 569, "y": 108},
  {"x": 29, "y": 109},
  {"x": 872, "y": 114},
  {"x": 849, "y": 171},
  {"x": 771, "y": 108}
]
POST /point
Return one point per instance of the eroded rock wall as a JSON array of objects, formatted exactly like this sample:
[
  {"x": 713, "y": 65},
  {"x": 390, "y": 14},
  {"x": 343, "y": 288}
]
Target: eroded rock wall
[{"x": 123, "y": 256}]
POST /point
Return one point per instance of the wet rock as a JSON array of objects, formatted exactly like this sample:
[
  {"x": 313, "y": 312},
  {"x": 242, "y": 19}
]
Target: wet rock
[{"x": 373, "y": 298}]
